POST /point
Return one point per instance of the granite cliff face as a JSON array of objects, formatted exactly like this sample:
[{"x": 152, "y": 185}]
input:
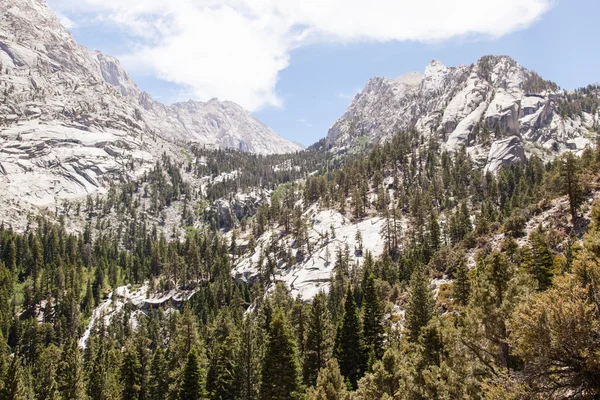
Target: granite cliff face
[
  {"x": 47, "y": 75},
  {"x": 471, "y": 105},
  {"x": 72, "y": 121}
]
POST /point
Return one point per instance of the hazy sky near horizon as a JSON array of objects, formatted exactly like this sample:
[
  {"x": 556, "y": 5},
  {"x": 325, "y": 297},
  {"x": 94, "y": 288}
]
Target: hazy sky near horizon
[{"x": 297, "y": 65}]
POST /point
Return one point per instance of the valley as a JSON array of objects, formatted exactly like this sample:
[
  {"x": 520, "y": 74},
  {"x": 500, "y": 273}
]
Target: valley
[{"x": 441, "y": 241}]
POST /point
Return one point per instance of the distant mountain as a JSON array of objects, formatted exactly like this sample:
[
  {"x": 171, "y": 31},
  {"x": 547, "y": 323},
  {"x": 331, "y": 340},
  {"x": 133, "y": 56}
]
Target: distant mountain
[
  {"x": 72, "y": 120},
  {"x": 479, "y": 106}
]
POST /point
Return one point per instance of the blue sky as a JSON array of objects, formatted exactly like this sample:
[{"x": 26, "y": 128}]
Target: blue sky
[{"x": 303, "y": 85}]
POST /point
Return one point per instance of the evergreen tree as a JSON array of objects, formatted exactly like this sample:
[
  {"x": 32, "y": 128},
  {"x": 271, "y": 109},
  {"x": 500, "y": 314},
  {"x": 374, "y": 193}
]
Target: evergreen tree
[
  {"x": 220, "y": 381},
  {"x": 159, "y": 375},
  {"x": 420, "y": 307},
  {"x": 434, "y": 233},
  {"x": 6, "y": 295},
  {"x": 569, "y": 171},
  {"x": 98, "y": 376},
  {"x": 298, "y": 322},
  {"x": 373, "y": 331},
  {"x": 557, "y": 335},
  {"x": 318, "y": 345},
  {"x": 541, "y": 263},
  {"x": 280, "y": 371},
  {"x": 192, "y": 386},
  {"x": 339, "y": 280},
  {"x": 13, "y": 387},
  {"x": 330, "y": 384},
  {"x": 495, "y": 295},
  {"x": 386, "y": 379},
  {"x": 349, "y": 349},
  {"x": 248, "y": 365},
  {"x": 70, "y": 375},
  {"x": 4, "y": 364},
  {"x": 131, "y": 377},
  {"x": 45, "y": 370},
  {"x": 462, "y": 284}
]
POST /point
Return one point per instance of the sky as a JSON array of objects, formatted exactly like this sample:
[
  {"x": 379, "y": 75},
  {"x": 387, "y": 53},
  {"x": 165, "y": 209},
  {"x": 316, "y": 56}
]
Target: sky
[{"x": 297, "y": 64}]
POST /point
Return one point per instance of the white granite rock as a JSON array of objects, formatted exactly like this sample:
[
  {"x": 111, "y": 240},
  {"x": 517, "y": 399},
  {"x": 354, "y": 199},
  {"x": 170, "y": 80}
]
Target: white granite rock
[
  {"x": 504, "y": 153},
  {"x": 449, "y": 102}
]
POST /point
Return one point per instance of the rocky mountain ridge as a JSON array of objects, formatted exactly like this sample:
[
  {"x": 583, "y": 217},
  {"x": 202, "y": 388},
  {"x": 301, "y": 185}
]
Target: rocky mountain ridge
[
  {"x": 48, "y": 75},
  {"x": 72, "y": 121},
  {"x": 472, "y": 105}
]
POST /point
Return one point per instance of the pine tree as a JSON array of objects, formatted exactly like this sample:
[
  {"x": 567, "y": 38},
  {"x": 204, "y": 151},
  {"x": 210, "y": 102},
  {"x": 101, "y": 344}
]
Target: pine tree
[
  {"x": 45, "y": 383},
  {"x": 349, "y": 349},
  {"x": 569, "y": 171},
  {"x": 70, "y": 373},
  {"x": 6, "y": 295},
  {"x": 338, "y": 279},
  {"x": 373, "y": 319},
  {"x": 97, "y": 380},
  {"x": 185, "y": 336},
  {"x": 4, "y": 364},
  {"x": 434, "y": 233},
  {"x": 142, "y": 339},
  {"x": 10, "y": 256},
  {"x": 131, "y": 377},
  {"x": 248, "y": 365},
  {"x": 298, "y": 322},
  {"x": 542, "y": 262},
  {"x": 220, "y": 380},
  {"x": 420, "y": 307},
  {"x": 318, "y": 345},
  {"x": 13, "y": 387},
  {"x": 192, "y": 387},
  {"x": 358, "y": 239},
  {"x": 557, "y": 331},
  {"x": 233, "y": 246},
  {"x": 497, "y": 133},
  {"x": 330, "y": 384},
  {"x": 386, "y": 379},
  {"x": 88, "y": 300},
  {"x": 222, "y": 384},
  {"x": 280, "y": 371},
  {"x": 159, "y": 375},
  {"x": 496, "y": 296},
  {"x": 462, "y": 284}
]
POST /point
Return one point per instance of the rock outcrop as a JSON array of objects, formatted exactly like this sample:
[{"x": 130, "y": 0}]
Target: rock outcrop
[
  {"x": 504, "y": 153},
  {"x": 72, "y": 121},
  {"x": 47, "y": 75},
  {"x": 471, "y": 105}
]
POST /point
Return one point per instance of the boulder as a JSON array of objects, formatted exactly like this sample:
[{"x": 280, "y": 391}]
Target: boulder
[{"x": 504, "y": 153}]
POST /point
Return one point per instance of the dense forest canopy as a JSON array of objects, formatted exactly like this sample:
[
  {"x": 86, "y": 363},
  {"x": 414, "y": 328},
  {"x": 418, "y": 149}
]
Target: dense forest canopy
[{"x": 515, "y": 312}]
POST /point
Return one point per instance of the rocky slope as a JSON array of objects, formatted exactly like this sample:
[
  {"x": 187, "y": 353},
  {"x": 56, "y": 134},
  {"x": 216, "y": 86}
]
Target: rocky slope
[
  {"x": 72, "y": 121},
  {"x": 462, "y": 106},
  {"x": 47, "y": 75}
]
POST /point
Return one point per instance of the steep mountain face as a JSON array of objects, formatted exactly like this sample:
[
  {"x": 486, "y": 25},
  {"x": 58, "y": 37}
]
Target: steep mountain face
[
  {"x": 472, "y": 105},
  {"x": 72, "y": 120},
  {"x": 53, "y": 77},
  {"x": 224, "y": 124}
]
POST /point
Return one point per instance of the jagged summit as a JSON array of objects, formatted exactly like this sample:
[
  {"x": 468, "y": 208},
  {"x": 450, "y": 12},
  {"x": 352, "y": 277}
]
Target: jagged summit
[
  {"x": 462, "y": 106},
  {"x": 72, "y": 121},
  {"x": 43, "y": 60}
]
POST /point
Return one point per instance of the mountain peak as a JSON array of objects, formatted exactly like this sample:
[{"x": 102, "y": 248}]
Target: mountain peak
[
  {"x": 434, "y": 65},
  {"x": 410, "y": 78},
  {"x": 66, "y": 75},
  {"x": 74, "y": 122},
  {"x": 455, "y": 104},
  {"x": 435, "y": 73}
]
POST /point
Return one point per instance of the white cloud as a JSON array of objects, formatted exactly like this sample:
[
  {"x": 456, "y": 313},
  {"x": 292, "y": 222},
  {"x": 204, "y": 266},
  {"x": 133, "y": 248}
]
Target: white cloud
[
  {"x": 349, "y": 95},
  {"x": 235, "y": 49},
  {"x": 66, "y": 21}
]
